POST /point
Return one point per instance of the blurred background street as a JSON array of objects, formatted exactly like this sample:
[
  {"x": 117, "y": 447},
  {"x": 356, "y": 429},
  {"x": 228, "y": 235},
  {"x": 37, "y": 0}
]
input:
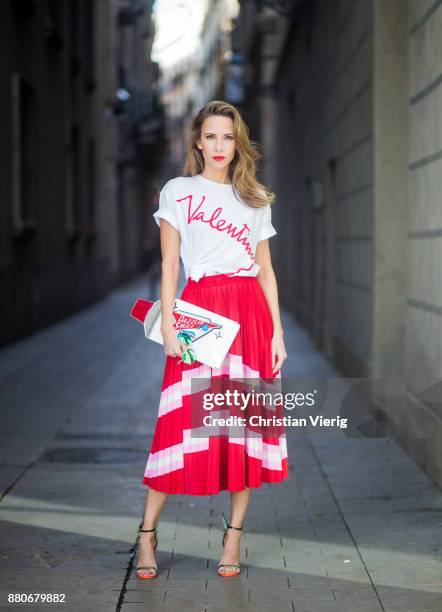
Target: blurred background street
[{"x": 343, "y": 98}]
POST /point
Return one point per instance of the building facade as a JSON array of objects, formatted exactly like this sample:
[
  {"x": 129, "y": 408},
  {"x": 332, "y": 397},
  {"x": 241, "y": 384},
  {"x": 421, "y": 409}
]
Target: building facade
[
  {"x": 76, "y": 154},
  {"x": 352, "y": 89}
]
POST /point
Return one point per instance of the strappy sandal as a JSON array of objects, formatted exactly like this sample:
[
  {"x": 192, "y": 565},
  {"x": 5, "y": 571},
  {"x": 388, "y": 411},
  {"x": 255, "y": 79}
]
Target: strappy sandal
[
  {"x": 148, "y": 567},
  {"x": 226, "y": 526}
]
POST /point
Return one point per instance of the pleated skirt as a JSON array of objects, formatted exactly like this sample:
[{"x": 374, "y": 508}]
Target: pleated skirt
[{"x": 186, "y": 458}]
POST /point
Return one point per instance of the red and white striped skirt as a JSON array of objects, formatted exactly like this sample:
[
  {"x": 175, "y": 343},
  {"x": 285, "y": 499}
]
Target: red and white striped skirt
[{"x": 183, "y": 460}]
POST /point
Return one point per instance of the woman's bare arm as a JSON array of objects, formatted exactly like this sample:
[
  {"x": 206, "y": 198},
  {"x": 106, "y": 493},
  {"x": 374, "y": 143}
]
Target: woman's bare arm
[
  {"x": 170, "y": 269},
  {"x": 267, "y": 279}
]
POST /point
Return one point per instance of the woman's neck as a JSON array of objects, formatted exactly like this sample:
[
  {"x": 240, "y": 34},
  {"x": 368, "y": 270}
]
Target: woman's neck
[{"x": 217, "y": 177}]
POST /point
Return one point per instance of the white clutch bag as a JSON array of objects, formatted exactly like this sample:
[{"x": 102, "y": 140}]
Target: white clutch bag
[{"x": 210, "y": 335}]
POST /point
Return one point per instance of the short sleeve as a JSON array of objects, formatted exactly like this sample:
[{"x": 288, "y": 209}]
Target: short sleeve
[
  {"x": 267, "y": 229},
  {"x": 167, "y": 207}
]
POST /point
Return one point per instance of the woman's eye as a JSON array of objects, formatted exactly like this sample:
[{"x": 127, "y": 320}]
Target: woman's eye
[{"x": 228, "y": 137}]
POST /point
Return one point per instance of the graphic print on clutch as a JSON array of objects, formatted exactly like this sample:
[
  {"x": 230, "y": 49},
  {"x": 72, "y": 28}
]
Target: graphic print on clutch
[{"x": 192, "y": 325}]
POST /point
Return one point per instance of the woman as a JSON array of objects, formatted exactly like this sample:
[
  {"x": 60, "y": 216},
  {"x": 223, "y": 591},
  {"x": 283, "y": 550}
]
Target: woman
[{"x": 217, "y": 217}]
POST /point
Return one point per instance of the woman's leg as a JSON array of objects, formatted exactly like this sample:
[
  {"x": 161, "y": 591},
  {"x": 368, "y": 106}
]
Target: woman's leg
[
  {"x": 155, "y": 501},
  {"x": 239, "y": 501}
]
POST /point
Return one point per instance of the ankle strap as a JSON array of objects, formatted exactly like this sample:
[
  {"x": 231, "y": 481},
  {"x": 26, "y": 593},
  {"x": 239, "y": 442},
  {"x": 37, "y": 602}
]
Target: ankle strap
[
  {"x": 232, "y": 527},
  {"x": 226, "y": 524},
  {"x": 147, "y": 530}
]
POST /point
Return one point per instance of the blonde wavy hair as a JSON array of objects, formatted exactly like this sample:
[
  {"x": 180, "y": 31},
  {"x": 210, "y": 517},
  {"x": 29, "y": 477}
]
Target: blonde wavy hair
[{"x": 242, "y": 168}]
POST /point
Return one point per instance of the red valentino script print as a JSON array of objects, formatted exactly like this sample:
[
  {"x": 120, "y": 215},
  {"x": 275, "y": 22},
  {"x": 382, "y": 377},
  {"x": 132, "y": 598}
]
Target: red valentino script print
[{"x": 221, "y": 225}]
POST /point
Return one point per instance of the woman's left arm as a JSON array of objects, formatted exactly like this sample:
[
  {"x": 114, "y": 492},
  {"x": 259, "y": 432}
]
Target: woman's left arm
[{"x": 267, "y": 280}]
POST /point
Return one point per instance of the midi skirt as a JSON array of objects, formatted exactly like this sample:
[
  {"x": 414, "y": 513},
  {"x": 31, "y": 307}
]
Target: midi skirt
[{"x": 186, "y": 458}]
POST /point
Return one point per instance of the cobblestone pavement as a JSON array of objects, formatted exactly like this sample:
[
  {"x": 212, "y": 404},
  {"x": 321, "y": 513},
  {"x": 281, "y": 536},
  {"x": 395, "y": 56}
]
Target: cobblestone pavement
[{"x": 356, "y": 527}]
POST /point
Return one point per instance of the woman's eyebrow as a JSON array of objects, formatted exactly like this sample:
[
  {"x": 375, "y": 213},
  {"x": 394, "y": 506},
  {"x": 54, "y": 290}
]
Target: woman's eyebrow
[{"x": 226, "y": 134}]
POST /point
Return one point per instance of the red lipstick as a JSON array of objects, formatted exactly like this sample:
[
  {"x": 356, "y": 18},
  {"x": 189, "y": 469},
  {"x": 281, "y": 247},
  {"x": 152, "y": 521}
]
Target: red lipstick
[{"x": 218, "y": 157}]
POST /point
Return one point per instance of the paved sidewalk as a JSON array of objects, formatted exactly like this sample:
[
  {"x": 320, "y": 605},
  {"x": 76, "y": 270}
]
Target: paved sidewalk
[{"x": 356, "y": 527}]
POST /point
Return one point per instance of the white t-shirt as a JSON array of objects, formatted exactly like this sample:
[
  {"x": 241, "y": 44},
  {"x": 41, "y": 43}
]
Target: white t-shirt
[{"x": 219, "y": 233}]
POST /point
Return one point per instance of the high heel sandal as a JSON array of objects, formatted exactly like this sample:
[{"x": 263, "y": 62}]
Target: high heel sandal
[
  {"x": 148, "y": 567},
  {"x": 226, "y": 526}
]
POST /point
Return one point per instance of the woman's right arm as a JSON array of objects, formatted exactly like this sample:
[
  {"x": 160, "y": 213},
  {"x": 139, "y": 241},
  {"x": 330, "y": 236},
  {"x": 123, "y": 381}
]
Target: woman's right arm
[{"x": 170, "y": 269}]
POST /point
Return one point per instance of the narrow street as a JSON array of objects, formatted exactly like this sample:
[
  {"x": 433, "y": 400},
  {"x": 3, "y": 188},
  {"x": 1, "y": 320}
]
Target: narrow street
[{"x": 356, "y": 527}]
